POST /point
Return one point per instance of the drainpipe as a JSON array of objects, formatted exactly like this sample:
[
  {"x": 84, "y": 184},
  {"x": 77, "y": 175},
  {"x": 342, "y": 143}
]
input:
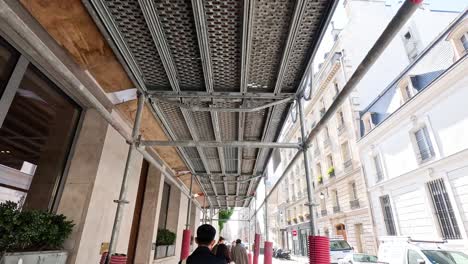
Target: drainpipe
[{"x": 123, "y": 188}]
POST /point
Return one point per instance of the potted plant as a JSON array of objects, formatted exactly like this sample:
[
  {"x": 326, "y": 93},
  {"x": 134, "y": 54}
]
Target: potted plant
[
  {"x": 295, "y": 220},
  {"x": 331, "y": 171},
  {"x": 165, "y": 243},
  {"x": 307, "y": 215},
  {"x": 32, "y": 236},
  {"x": 320, "y": 179},
  {"x": 289, "y": 221},
  {"x": 301, "y": 217}
]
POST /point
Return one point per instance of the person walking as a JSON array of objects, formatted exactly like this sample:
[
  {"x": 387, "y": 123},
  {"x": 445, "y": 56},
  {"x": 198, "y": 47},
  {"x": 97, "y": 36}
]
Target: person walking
[
  {"x": 239, "y": 253},
  {"x": 223, "y": 253},
  {"x": 220, "y": 241},
  {"x": 205, "y": 240}
]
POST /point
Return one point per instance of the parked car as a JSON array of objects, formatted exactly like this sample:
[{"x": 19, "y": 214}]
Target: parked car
[
  {"x": 404, "y": 250},
  {"x": 359, "y": 258},
  {"x": 339, "y": 248}
]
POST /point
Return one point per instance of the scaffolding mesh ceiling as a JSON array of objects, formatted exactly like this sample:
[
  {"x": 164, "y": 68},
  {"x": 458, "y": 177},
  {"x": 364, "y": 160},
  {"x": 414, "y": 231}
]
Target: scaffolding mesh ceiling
[{"x": 257, "y": 47}]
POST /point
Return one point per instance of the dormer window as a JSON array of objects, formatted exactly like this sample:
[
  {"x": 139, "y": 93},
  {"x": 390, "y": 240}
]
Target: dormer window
[
  {"x": 464, "y": 41},
  {"x": 406, "y": 89},
  {"x": 459, "y": 39},
  {"x": 368, "y": 121}
]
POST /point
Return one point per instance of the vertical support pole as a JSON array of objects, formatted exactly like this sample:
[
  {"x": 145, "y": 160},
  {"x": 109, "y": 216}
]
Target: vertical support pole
[
  {"x": 268, "y": 246},
  {"x": 249, "y": 237},
  {"x": 123, "y": 188},
  {"x": 310, "y": 196},
  {"x": 189, "y": 207},
  {"x": 185, "y": 251}
]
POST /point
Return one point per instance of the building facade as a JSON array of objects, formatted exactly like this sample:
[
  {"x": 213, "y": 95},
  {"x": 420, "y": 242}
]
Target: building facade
[
  {"x": 413, "y": 147},
  {"x": 341, "y": 200}
]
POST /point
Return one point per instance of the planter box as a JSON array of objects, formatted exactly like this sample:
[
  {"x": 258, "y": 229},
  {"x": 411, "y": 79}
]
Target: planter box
[
  {"x": 43, "y": 257},
  {"x": 161, "y": 252},
  {"x": 170, "y": 251}
]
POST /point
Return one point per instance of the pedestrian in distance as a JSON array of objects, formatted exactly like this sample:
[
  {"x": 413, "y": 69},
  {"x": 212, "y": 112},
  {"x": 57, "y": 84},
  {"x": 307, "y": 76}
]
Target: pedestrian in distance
[
  {"x": 223, "y": 253},
  {"x": 205, "y": 240},
  {"x": 239, "y": 253},
  {"x": 220, "y": 241}
]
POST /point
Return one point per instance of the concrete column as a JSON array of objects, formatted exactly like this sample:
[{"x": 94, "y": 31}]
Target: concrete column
[
  {"x": 81, "y": 176},
  {"x": 181, "y": 213},
  {"x": 149, "y": 216}
]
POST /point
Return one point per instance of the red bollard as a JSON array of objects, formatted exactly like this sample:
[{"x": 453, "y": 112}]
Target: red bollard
[
  {"x": 319, "y": 250},
  {"x": 250, "y": 257},
  {"x": 268, "y": 253},
  {"x": 185, "y": 244},
  {"x": 256, "y": 248}
]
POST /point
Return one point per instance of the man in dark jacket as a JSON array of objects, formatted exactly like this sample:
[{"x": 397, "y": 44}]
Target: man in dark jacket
[{"x": 205, "y": 240}]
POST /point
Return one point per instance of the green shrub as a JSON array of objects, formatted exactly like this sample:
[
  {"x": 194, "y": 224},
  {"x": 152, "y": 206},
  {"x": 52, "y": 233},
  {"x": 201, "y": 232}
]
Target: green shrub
[
  {"x": 320, "y": 179},
  {"x": 31, "y": 230},
  {"x": 165, "y": 237},
  {"x": 331, "y": 171}
]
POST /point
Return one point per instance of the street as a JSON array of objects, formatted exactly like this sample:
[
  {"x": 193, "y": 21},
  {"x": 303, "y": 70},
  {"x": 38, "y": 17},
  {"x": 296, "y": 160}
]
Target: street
[{"x": 294, "y": 259}]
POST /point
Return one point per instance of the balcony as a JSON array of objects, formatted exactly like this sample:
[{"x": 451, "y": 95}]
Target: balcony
[
  {"x": 336, "y": 209},
  {"x": 323, "y": 212},
  {"x": 348, "y": 165},
  {"x": 341, "y": 129},
  {"x": 354, "y": 204}
]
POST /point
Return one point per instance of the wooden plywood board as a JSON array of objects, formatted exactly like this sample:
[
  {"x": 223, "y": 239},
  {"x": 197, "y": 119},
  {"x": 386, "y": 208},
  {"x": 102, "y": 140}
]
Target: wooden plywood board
[
  {"x": 151, "y": 130},
  {"x": 69, "y": 23}
]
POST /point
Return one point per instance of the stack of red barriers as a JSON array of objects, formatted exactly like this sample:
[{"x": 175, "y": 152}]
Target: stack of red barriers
[{"x": 319, "y": 250}]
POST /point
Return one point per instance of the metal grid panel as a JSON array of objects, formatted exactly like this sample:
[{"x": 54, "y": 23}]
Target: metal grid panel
[
  {"x": 204, "y": 125},
  {"x": 230, "y": 156},
  {"x": 176, "y": 17},
  {"x": 303, "y": 44},
  {"x": 270, "y": 30},
  {"x": 176, "y": 121},
  {"x": 225, "y": 37},
  {"x": 248, "y": 155},
  {"x": 220, "y": 188},
  {"x": 195, "y": 159},
  {"x": 211, "y": 155},
  {"x": 254, "y": 122},
  {"x": 128, "y": 17},
  {"x": 228, "y": 122}
]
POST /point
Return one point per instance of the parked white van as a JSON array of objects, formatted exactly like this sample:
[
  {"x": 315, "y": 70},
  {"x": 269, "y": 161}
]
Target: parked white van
[{"x": 404, "y": 250}]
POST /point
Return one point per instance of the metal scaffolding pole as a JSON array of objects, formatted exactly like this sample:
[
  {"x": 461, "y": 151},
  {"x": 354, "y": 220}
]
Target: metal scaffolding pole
[
  {"x": 266, "y": 213},
  {"x": 189, "y": 206},
  {"x": 123, "y": 188},
  {"x": 310, "y": 195}
]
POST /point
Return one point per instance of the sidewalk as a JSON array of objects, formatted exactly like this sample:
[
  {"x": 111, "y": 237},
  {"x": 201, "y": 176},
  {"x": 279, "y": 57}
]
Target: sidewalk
[{"x": 294, "y": 259}]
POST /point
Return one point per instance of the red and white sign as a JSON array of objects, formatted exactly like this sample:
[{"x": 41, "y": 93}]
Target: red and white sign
[{"x": 294, "y": 232}]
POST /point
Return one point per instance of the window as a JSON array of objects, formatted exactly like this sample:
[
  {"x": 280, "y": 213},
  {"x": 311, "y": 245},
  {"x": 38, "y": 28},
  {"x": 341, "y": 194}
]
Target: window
[
  {"x": 164, "y": 206},
  {"x": 464, "y": 41},
  {"x": 330, "y": 161},
  {"x": 319, "y": 168},
  {"x": 425, "y": 150},
  {"x": 8, "y": 58},
  {"x": 340, "y": 118},
  {"x": 413, "y": 257},
  {"x": 408, "y": 92},
  {"x": 378, "y": 168},
  {"x": 336, "y": 201},
  {"x": 411, "y": 44},
  {"x": 388, "y": 215},
  {"x": 337, "y": 88},
  {"x": 36, "y": 132},
  {"x": 345, "y": 152},
  {"x": 354, "y": 195},
  {"x": 443, "y": 210}
]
